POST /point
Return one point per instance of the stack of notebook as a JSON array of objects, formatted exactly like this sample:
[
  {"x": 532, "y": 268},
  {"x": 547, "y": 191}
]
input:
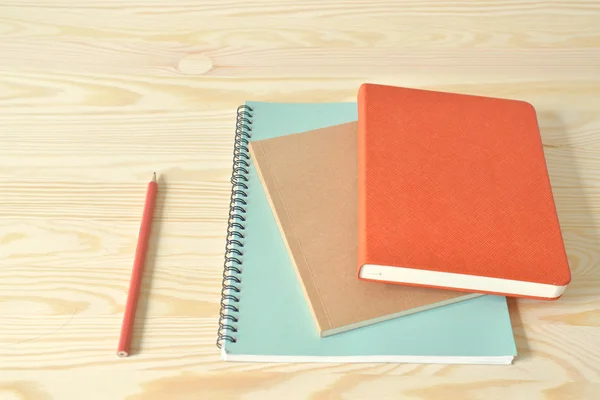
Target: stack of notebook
[{"x": 387, "y": 230}]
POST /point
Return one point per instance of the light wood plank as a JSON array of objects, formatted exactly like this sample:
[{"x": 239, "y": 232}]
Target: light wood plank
[{"x": 94, "y": 96}]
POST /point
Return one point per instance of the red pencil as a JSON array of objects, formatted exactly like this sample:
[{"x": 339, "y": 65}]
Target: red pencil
[{"x": 138, "y": 266}]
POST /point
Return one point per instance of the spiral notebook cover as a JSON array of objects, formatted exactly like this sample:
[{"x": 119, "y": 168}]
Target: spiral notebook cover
[
  {"x": 264, "y": 314},
  {"x": 315, "y": 206}
]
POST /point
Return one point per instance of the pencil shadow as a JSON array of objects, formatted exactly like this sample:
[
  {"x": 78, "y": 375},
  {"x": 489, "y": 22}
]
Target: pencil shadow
[{"x": 139, "y": 338}]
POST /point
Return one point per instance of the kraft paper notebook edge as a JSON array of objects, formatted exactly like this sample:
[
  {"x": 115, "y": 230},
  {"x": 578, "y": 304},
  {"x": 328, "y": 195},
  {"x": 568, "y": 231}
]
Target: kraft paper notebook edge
[
  {"x": 262, "y": 166},
  {"x": 414, "y": 310}
]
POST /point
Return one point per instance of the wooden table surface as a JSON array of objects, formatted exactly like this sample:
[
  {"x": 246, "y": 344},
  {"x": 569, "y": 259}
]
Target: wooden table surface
[{"x": 95, "y": 96}]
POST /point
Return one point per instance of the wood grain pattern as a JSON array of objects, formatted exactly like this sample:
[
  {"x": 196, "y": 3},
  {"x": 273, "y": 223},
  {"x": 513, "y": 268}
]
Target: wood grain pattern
[{"x": 94, "y": 96}]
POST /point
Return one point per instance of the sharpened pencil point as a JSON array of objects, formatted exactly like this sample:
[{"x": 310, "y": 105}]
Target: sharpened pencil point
[{"x": 154, "y": 177}]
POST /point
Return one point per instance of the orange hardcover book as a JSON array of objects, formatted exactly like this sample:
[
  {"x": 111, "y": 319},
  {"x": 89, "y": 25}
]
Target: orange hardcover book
[{"x": 454, "y": 193}]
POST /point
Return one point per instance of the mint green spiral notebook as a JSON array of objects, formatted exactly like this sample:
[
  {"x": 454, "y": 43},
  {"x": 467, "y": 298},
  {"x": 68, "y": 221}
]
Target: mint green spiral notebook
[{"x": 264, "y": 314}]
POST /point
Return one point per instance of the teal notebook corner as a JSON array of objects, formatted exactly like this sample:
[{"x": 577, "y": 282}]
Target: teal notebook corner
[{"x": 265, "y": 316}]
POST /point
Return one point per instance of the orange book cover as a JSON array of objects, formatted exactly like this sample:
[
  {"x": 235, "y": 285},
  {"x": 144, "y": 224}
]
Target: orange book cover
[{"x": 454, "y": 193}]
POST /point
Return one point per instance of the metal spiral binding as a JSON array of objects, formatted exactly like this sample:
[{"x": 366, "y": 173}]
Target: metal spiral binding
[{"x": 232, "y": 268}]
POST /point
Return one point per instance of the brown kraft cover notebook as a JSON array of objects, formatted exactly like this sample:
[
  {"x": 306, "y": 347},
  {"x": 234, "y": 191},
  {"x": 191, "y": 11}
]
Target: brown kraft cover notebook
[{"x": 310, "y": 179}]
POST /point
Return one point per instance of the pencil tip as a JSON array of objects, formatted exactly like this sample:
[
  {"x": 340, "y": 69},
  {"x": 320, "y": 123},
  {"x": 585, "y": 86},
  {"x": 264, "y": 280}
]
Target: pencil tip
[{"x": 154, "y": 177}]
